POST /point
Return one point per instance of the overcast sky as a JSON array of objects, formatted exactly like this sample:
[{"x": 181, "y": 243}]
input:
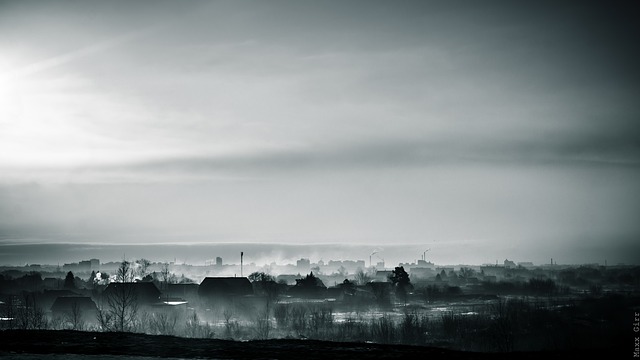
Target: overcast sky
[{"x": 499, "y": 129}]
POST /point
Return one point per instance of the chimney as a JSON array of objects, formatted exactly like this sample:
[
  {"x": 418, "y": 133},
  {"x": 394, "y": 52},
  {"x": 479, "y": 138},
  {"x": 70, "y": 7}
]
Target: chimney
[{"x": 241, "y": 255}]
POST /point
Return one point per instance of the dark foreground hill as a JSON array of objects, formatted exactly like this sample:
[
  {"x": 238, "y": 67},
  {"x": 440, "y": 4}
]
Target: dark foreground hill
[{"x": 20, "y": 343}]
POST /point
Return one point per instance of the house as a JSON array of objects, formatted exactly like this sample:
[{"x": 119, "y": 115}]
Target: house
[
  {"x": 382, "y": 275},
  {"x": 145, "y": 293},
  {"x": 492, "y": 270},
  {"x": 421, "y": 272},
  {"x": 215, "y": 288},
  {"x": 188, "y": 292},
  {"x": 309, "y": 286},
  {"x": 69, "y": 305},
  {"x": 287, "y": 279},
  {"x": 48, "y": 297},
  {"x": 508, "y": 264}
]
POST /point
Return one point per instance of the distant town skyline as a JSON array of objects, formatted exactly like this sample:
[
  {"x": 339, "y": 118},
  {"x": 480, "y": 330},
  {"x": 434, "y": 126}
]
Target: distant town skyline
[
  {"x": 20, "y": 254},
  {"x": 484, "y": 131}
]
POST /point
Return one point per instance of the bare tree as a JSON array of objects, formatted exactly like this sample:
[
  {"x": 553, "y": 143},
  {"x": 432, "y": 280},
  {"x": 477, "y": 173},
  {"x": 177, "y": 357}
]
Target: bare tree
[
  {"x": 122, "y": 308},
  {"x": 29, "y": 315},
  {"x": 265, "y": 284},
  {"x": 166, "y": 276},
  {"x": 9, "y": 311},
  {"x": 143, "y": 267},
  {"x": 121, "y": 299},
  {"x": 361, "y": 277},
  {"x": 342, "y": 271},
  {"x": 162, "y": 323},
  {"x": 263, "y": 324},
  {"x": 125, "y": 273},
  {"x": 194, "y": 329},
  {"x": 467, "y": 273},
  {"x": 105, "y": 319},
  {"x": 74, "y": 317},
  {"x": 231, "y": 326}
]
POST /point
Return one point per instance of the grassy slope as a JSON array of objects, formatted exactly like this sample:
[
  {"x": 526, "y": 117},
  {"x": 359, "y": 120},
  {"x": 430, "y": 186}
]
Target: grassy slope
[{"x": 89, "y": 343}]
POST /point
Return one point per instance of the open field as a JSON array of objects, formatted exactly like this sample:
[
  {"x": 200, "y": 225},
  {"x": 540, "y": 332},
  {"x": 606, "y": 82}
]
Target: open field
[{"x": 32, "y": 344}]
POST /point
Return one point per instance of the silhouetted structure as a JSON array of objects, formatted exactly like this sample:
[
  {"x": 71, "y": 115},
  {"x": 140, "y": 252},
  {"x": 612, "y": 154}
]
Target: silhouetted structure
[
  {"x": 308, "y": 286},
  {"x": 68, "y": 304},
  {"x": 144, "y": 292},
  {"x": 224, "y": 288},
  {"x": 188, "y": 292},
  {"x": 48, "y": 297}
]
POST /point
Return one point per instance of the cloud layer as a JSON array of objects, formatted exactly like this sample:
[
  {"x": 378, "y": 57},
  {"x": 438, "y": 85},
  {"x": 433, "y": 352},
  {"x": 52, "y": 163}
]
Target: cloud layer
[{"x": 322, "y": 121}]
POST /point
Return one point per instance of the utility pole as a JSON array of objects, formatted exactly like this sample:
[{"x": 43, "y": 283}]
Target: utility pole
[{"x": 241, "y": 255}]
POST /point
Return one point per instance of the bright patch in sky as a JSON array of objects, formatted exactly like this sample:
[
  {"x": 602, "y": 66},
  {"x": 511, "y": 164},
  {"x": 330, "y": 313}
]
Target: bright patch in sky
[{"x": 359, "y": 122}]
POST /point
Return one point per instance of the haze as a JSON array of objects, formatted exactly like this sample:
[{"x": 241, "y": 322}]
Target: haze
[{"x": 483, "y": 130}]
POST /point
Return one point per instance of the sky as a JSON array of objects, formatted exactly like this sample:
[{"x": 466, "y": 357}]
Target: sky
[{"x": 500, "y": 129}]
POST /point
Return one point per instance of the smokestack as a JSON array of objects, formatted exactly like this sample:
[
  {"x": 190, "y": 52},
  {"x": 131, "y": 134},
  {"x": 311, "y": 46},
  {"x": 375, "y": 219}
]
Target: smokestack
[
  {"x": 241, "y": 255},
  {"x": 373, "y": 253}
]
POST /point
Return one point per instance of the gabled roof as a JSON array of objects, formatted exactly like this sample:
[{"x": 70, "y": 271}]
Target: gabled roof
[
  {"x": 180, "y": 290},
  {"x": 225, "y": 286},
  {"x": 145, "y": 292},
  {"x": 66, "y": 304}
]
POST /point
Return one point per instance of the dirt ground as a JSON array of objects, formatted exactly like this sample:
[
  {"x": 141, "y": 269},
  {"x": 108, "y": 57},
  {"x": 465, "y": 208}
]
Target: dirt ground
[{"x": 49, "y": 344}]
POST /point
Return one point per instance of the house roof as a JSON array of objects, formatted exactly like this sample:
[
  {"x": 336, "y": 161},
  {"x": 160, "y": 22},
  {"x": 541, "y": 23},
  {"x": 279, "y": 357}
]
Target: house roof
[
  {"x": 225, "y": 286},
  {"x": 146, "y": 292}
]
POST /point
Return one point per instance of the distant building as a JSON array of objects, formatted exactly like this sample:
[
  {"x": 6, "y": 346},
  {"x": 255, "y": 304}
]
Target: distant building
[
  {"x": 84, "y": 266},
  {"x": 426, "y": 264},
  {"x": 508, "y": 264},
  {"x": 218, "y": 261},
  {"x": 382, "y": 275},
  {"x": 349, "y": 265},
  {"x": 70, "y": 267},
  {"x": 492, "y": 270},
  {"x": 421, "y": 272},
  {"x": 95, "y": 264},
  {"x": 447, "y": 270},
  {"x": 526, "y": 265}
]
